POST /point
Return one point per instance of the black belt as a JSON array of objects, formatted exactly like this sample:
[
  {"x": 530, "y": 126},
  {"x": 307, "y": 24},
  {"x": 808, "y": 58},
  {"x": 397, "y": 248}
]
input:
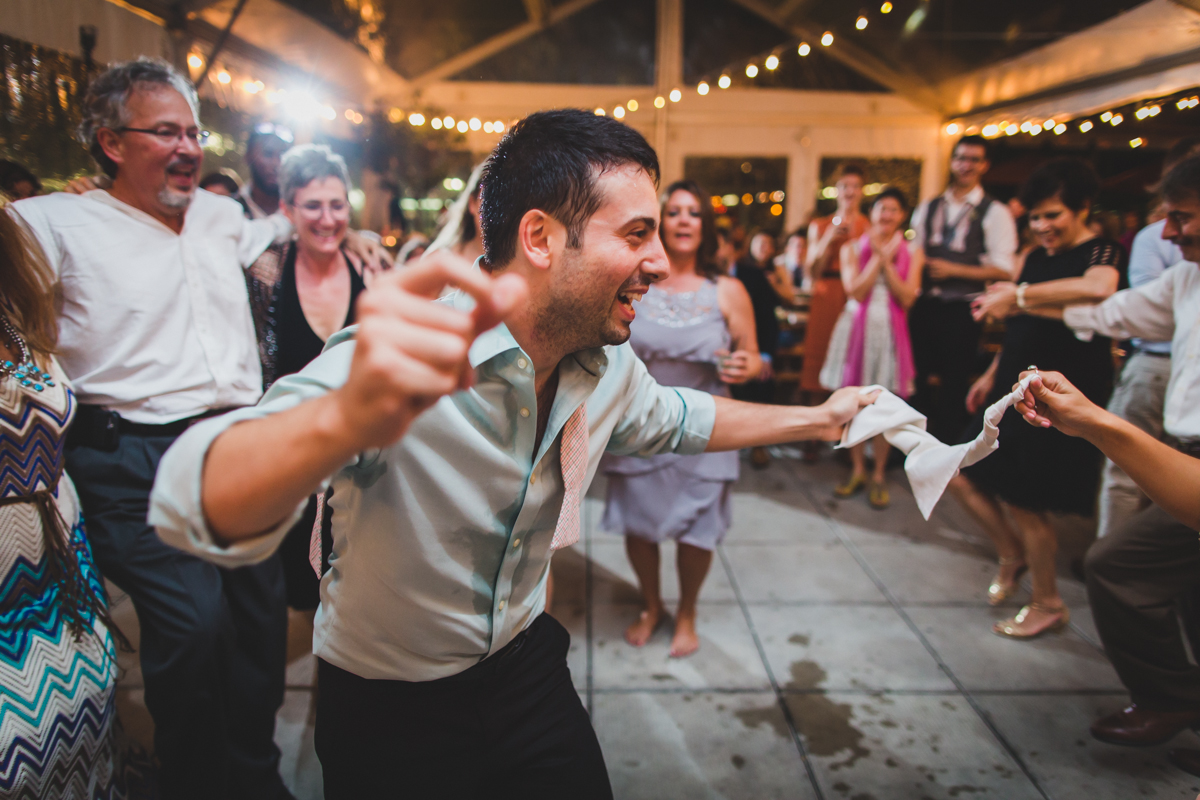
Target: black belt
[{"x": 101, "y": 429}]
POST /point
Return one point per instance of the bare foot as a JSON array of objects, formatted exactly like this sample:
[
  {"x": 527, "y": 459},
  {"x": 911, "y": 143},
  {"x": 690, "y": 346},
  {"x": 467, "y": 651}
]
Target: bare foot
[
  {"x": 640, "y": 631},
  {"x": 685, "y": 641}
]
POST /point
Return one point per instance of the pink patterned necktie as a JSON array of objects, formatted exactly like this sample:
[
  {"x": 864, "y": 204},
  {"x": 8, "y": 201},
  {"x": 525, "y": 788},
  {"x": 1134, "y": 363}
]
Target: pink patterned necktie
[
  {"x": 314, "y": 542},
  {"x": 573, "y": 453}
]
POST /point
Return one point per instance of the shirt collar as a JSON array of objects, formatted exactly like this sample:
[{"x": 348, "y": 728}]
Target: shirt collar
[
  {"x": 102, "y": 196},
  {"x": 974, "y": 197}
]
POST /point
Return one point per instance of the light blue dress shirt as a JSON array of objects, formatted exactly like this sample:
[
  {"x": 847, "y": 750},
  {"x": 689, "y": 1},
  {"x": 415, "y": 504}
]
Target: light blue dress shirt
[
  {"x": 441, "y": 542},
  {"x": 1149, "y": 256}
]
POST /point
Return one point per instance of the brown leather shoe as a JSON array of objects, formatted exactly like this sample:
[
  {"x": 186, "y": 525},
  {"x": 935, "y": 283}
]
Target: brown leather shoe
[
  {"x": 1137, "y": 727},
  {"x": 1186, "y": 760}
]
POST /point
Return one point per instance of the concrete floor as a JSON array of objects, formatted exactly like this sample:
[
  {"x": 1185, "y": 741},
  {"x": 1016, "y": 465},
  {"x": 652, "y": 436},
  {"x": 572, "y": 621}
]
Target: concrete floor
[{"x": 846, "y": 654}]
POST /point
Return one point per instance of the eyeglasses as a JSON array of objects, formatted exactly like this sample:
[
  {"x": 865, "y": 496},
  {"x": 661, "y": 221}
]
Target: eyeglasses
[
  {"x": 170, "y": 135},
  {"x": 313, "y": 211}
]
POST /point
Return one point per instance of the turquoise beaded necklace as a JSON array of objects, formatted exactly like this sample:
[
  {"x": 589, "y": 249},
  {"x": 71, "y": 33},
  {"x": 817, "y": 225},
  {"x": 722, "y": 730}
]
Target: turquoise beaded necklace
[{"x": 25, "y": 372}]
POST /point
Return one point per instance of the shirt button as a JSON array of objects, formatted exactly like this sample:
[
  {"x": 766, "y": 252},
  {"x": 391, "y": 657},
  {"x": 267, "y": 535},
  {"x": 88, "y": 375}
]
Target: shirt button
[
  {"x": 500, "y": 605},
  {"x": 524, "y": 412},
  {"x": 522, "y": 363},
  {"x": 516, "y": 543}
]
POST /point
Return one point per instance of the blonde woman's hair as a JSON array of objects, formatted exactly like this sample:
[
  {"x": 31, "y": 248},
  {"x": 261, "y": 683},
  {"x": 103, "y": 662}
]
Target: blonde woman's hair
[
  {"x": 459, "y": 227},
  {"x": 27, "y": 287}
]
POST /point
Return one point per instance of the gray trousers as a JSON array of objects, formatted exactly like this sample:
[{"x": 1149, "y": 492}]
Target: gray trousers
[
  {"x": 1138, "y": 578},
  {"x": 1138, "y": 398}
]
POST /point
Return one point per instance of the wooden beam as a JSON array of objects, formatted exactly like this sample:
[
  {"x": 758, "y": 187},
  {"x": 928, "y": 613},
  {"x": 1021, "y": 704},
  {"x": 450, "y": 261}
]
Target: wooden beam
[
  {"x": 499, "y": 43},
  {"x": 789, "y": 8},
  {"x": 854, "y": 57},
  {"x": 536, "y": 10}
]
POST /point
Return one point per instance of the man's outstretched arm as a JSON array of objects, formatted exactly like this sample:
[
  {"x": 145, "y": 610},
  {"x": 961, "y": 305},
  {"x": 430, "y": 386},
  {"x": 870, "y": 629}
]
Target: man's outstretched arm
[
  {"x": 740, "y": 424},
  {"x": 409, "y": 352}
]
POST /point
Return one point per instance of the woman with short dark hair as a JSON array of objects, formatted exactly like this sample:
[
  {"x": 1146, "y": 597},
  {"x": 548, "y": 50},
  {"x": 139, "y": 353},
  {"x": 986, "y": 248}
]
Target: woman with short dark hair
[{"x": 1036, "y": 472}]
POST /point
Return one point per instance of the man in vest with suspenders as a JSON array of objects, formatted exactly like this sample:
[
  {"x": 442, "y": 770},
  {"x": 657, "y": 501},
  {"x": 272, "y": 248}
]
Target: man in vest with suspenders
[{"x": 969, "y": 238}]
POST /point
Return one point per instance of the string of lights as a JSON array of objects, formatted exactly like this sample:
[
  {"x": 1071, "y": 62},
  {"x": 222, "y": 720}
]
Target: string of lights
[{"x": 1139, "y": 110}]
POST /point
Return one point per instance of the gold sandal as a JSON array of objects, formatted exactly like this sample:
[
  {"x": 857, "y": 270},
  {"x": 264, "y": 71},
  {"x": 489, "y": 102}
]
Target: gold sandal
[
  {"x": 999, "y": 592},
  {"x": 1016, "y": 628},
  {"x": 851, "y": 487},
  {"x": 878, "y": 497}
]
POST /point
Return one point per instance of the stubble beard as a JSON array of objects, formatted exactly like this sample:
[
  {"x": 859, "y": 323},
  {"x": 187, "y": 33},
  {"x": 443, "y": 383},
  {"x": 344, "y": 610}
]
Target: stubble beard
[
  {"x": 578, "y": 315},
  {"x": 179, "y": 201}
]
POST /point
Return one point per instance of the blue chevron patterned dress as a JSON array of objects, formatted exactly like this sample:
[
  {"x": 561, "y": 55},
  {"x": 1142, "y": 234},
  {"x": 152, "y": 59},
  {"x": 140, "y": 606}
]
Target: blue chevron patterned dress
[{"x": 57, "y": 700}]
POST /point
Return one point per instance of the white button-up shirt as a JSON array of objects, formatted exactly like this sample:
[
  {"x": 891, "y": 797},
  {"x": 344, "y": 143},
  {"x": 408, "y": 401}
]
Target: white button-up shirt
[
  {"x": 155, "y": 324},
  {"x": 999, "y": 230},
  {"x": 441, "y": 542},
  {"x": 1166, "y": 309}
]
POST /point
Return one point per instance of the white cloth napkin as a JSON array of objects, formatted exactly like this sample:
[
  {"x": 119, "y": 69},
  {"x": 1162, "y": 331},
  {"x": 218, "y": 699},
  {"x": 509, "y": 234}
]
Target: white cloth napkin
[{"x": 930, "y": 464}]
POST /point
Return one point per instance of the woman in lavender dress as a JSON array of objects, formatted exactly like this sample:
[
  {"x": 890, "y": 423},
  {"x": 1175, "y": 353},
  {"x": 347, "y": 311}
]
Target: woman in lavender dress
[{"x": 695, "y": 329}]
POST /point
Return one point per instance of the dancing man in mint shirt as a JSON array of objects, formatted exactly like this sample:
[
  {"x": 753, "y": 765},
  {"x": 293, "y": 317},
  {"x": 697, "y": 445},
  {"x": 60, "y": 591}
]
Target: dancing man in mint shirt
[{"x": 458, "y": 437}]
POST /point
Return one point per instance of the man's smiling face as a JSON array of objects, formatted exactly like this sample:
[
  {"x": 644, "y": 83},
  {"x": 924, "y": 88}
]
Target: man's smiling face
[{"x": 594, "y": 286}]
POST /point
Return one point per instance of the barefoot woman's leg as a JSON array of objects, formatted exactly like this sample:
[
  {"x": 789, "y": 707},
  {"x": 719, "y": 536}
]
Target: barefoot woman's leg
[
  {"x": 644, "y": 557},
  {"x": 693, "y": 564}
]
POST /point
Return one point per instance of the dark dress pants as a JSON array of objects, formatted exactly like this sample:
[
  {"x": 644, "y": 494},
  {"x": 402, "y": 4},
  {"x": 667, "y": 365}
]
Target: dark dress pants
[
  {"x": 512, "y": 726},
  {"x": 1137, "y": 578},
  {"x": 213, "y": 641},
  {"x": 945, "y": 343}
]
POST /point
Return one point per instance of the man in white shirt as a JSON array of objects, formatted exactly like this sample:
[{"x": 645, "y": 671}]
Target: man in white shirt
[
  {"x": 1138, "y": 574},
  {"x": 458, "y": 451},
  {"x": 155, "y": 333},
  {"x": 1141, "y": 389},
  {"x": 969, "y": 238}
]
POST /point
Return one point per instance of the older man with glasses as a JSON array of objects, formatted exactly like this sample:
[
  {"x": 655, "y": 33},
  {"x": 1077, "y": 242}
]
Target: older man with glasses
[{"x": 156, "y": 333}]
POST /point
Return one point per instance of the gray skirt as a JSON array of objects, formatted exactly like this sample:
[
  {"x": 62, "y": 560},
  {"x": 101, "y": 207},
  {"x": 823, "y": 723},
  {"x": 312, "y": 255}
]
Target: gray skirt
[{"x": 668, "y": 503}]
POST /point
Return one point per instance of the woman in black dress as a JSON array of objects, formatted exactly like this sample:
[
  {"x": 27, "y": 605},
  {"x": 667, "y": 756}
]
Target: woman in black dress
[
  {"x": 1035, "y": 472},
  {"x": 300, "y": 298}
]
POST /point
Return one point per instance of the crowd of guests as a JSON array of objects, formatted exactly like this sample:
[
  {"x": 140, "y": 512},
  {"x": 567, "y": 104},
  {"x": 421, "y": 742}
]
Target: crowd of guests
[{"x": 135, "y": 310}]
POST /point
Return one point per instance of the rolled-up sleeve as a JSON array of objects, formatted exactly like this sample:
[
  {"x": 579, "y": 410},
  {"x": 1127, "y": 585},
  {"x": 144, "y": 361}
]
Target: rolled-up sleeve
[
  {"x": 1147, "y": 312},
  {"x": 176, "y": 510},
  {"x": 662, "y": 419}
]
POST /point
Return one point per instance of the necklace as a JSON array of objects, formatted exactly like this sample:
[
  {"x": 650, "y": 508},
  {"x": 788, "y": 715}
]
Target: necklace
[{"x": 25, "y": 371}]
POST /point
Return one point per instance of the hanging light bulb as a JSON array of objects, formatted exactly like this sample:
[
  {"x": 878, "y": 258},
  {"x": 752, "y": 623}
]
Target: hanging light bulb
[
  {"x": 751, "y": 70},
  {"x": 724, "y": 81},
  {"x": 886, "y": 8},
  {"x": 1106, "y": 116},
  {"x": 676, "y": 95},
  {"x": 1085, "y": 126},
  {"x": 702, "y": 88},
  {"x": 416, "y": 119},
  {"x": 804, "y": 49},
  {"x": 1060, "y": 129},
  {"x": 861, "y": 22},
  {"x": 632, "y": 105},
  {"x": 952, "y": 129},
  {"x": 660, "y": 101},
  {"x": 772, "y": 62},
  {"x": 827, "y": 39},
  {"x": 599, "y": 112},
  {"x": 619, "y": 112},
  {"x": 195, "y": 61}
]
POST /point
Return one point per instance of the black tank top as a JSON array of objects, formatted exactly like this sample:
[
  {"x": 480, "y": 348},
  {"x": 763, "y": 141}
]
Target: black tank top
[{"x": 296, "y": 341}]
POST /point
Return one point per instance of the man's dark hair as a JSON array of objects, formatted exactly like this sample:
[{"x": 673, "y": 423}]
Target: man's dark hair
[
  {"x": 895, "y": 194},
  {"x": 1187, "y": 146},
  {"x": 219, "y": 179},
  {"x": 551, "y": 161},
  {"x": 973, "y": 140},
  {"x": 12, "y": 173},
  {"x": 1183, "y": 182},
  {"x": 850, "y": 169},
  {"x": 706, "y": 264},
  {"x": 1071, "y": 180}
]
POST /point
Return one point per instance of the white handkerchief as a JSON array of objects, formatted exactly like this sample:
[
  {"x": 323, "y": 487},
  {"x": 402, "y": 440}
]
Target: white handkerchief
[{"x": 930, "y": 464}]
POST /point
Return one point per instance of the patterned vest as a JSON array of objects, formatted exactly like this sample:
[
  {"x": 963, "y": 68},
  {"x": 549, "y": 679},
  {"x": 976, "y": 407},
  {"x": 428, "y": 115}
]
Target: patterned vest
[{"x": 973, "y": 246}]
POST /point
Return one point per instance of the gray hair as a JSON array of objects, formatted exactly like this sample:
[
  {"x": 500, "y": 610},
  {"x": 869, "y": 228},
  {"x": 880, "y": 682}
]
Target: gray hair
[
  {"x": 306, "y": 163},
  {"x": 107, "y": 98}
]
